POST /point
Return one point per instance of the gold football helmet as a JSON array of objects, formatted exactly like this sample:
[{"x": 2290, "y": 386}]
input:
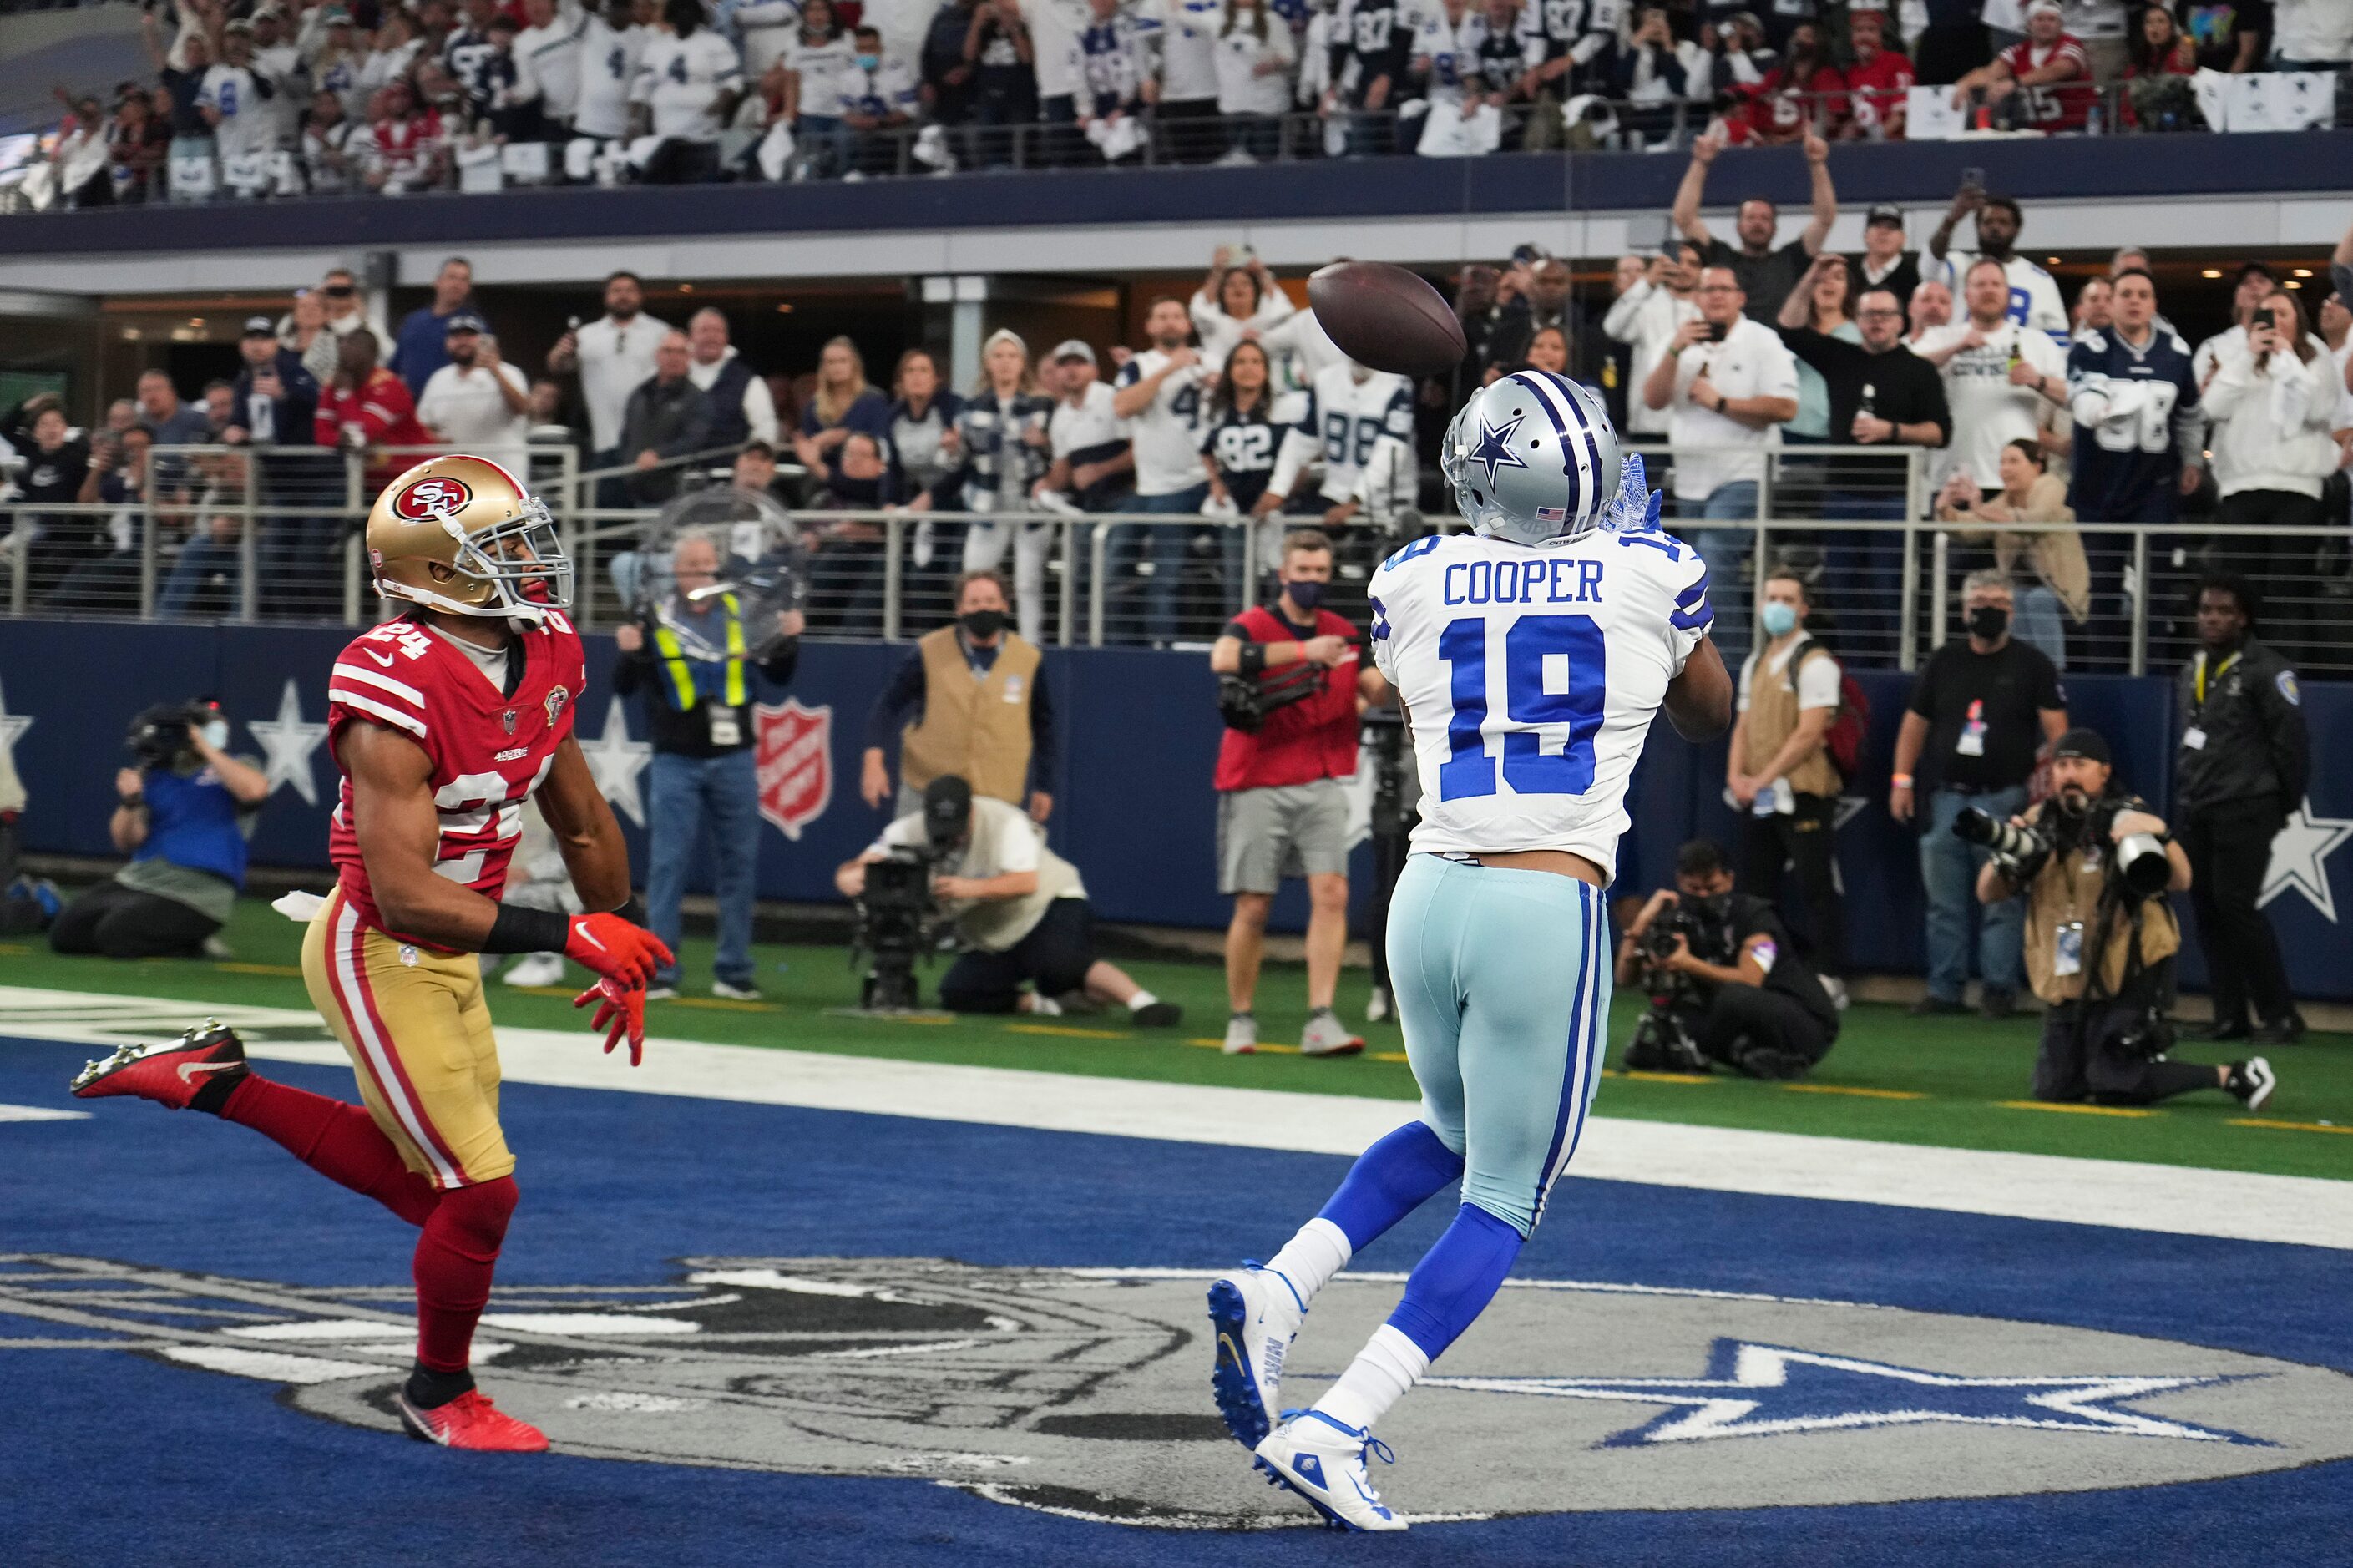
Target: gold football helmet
[{"x": 461, "y": 534}]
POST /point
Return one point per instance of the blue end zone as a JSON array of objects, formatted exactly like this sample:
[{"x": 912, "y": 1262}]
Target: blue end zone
[{"x": 118, "y": 1459}]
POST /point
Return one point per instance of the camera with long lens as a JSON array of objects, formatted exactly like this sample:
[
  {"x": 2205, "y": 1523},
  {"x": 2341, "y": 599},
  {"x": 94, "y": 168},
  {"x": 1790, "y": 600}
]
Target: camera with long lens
[
  {"x": 2020, "y": 851},
  {"x": 894, "y": 926},
  {"x": 160, "y": 733},
  {"x": 1662, "y": 1039}
]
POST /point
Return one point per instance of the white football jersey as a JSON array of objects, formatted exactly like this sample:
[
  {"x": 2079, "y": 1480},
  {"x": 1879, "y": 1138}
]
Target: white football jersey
[
  {"x": 1360, "y": 433},
  {"x": 1531, "y": 677}
]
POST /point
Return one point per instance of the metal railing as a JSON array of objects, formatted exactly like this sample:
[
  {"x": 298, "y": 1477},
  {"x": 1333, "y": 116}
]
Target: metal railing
[
  {"x": 1884, "y": 581},
  {"x": 2125, "y": 107}
]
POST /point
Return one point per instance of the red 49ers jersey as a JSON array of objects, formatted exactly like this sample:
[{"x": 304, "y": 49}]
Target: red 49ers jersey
[{"x": 490, "y": 751}]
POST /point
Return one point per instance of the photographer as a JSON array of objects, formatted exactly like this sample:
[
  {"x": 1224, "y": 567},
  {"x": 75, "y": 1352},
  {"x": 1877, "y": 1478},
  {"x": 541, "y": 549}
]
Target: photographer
[
  {"x": 2095, "y": 864},
  {"x": 1291, "y": 685},
  {"x": 183, "y": 814},
  {"x": 1019, "y": 910},
  {"x": 1725, "y": 981}
]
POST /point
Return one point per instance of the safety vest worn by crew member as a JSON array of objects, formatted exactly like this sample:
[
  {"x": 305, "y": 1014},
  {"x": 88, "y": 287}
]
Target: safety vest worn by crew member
[
  {"x": 728, "y": 723},
  {"x": 975, "y": 724}
]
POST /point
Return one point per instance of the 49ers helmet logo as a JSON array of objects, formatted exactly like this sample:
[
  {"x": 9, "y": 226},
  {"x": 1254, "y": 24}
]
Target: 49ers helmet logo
[{"x": 428, "y": 499}]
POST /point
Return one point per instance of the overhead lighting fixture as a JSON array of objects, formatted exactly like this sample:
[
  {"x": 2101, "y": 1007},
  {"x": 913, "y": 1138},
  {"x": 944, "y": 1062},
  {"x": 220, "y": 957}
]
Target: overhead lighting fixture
[
  {"x": 784, "y": 310},
  {"x": 2212, "y": 272},
  {"x": 2303, "y": 272},
  {"x": 2295, "y": 282},
  {"x": 686, "y": 288},
  {"x": 2052, "y": 259}
]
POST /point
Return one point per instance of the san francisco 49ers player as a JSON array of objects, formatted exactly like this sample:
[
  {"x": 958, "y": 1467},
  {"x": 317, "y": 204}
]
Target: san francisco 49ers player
[{"x": 443, "y": 721}]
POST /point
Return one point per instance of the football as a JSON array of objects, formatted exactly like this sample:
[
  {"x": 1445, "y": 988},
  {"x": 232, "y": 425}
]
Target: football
[{"x": 1386, "y": 317}]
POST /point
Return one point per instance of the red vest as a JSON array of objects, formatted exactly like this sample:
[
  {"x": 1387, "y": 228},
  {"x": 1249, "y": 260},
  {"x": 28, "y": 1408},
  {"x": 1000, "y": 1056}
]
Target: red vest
[{"x": 1314, "y": 738}]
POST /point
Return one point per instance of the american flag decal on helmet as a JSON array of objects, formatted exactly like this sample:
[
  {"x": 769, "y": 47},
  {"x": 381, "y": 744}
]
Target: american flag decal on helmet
[{"x": 1552, "y": 514}]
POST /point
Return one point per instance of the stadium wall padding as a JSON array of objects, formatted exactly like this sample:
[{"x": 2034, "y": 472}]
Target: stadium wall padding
[
  {"x": 1133, "y": 807},
  {"x": 2173, "y": 168}
]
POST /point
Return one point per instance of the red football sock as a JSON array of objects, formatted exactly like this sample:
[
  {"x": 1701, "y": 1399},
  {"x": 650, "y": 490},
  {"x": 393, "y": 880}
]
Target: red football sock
[
  {"x": 454, "y": 1259},
  {"x": 338, "y": 1140}
]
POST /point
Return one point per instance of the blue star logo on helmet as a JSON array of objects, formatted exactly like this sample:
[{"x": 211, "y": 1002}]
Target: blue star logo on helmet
[{"x": 1494, "y": 448}]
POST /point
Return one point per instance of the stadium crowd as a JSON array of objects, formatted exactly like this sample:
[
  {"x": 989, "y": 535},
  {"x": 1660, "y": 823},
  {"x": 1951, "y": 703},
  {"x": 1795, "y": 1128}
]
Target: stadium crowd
[{"x": 352, "y": 97}]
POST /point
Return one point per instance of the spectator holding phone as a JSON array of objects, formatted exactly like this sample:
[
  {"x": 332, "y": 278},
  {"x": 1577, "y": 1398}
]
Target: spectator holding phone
[{"x": 1646, "y": 316}]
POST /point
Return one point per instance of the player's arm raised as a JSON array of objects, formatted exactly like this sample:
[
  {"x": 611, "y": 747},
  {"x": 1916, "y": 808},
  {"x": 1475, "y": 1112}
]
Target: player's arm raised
[{"x": 1699, "y": 700}]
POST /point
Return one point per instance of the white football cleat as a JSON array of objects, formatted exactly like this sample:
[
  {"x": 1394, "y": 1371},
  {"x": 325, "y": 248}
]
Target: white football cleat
[
  {"x": 1324, "y": 1461},
  {"x": 1326, "y": 1036},
  {"x": 1254, "y": 1314},
  {"x": 1242, "y": 1035},
  {"x": 535, "y": 969}
]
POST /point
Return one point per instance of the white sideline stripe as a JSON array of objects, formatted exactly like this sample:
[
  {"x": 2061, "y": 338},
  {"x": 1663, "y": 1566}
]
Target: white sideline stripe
[
  {"x": 371, "y": 678},
  {"x": 2241, "y": 1205},
  {"x": 40, "y": 1114}
]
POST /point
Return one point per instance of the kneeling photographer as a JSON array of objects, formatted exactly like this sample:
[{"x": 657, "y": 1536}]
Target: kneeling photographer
[
  {"x": 1725, "y": 983},
  {"x": 1019, "y": 910},
  {"x": 2095, "y": 864},
  {"x": 183, "y": 814}
]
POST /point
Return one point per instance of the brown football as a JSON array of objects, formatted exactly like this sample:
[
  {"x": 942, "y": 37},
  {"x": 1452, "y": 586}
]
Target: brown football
[{"x": 1387, "y": 317}]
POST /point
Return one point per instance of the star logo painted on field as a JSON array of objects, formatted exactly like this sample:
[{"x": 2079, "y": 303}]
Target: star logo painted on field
[
  {"x": 615, "y": 760},
  {"x": 11, "y": 726},
  {"x": 1765, "y": 1391},
  {"x": 286, "y": 743},
  {"x": 1494, "y": 449},
  {"x": 2299, "y": 859}
]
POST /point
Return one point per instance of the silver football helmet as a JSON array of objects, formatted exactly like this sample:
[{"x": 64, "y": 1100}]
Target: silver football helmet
[{"x": 1532, "y": 458}]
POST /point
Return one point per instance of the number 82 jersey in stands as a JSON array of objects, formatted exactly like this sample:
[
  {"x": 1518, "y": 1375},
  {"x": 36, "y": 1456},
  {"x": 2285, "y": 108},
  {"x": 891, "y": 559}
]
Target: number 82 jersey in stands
[
  {"x": 1531, "y": 677},
  {"x": 491, "y": 736}
]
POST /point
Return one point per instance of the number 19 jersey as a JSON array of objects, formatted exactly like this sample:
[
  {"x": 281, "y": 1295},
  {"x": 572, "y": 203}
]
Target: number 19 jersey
[{"x": 1531, "y": 677}]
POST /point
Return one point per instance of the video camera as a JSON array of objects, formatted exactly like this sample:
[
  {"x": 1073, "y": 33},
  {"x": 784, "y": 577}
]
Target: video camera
[
  {"x": 1662, "y": 1039},
  {"x": 894, "y": 917},
  {"x": 159, "y": 734},
  {"x": 1245, "y": 700},
  {"x": 2021, "y": 850}
]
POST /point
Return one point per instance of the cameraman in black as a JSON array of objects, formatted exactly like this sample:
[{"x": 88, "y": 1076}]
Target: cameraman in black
[
  {"x": 183, "y": 814},
  {"x": 2095, "y": 864},
  {"x": 1722, "y": 966},
  {"x": 1019, "y": 911}
]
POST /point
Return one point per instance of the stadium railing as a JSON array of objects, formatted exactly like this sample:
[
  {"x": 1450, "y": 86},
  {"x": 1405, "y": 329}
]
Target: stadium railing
[
  {"x": 1600, "y": 124},
  {"x": 278, "y": 539}
]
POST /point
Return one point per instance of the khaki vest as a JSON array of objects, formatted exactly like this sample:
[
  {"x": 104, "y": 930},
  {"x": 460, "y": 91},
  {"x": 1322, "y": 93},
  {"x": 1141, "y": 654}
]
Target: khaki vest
[
  {"x": 997, "y": 924},
  {"x": 977, "y": 728},
  {"x": 2064, "y": 892},
  {"x": 1772, "y": 717}
]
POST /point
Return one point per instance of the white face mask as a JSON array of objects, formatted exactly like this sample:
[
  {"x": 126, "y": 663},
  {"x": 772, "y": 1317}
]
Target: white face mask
[{"x": 216, "y": 733}]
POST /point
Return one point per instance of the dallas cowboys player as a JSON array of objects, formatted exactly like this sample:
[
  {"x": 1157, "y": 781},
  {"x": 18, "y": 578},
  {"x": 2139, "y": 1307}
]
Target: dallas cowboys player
[{"x": 1530, "y": 655}]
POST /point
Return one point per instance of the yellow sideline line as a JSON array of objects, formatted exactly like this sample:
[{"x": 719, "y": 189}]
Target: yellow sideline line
[
  {"x": 1658, "y": 1077},
  {"x": 2075, "y": 1109},
  {"x": 2287, "y": 1126},
  {"x": 1855, "y": 1089},
  {"x": 228, "y": 968},
  {"x": 1066, "y": 1032},
  {"x": 726, "y": 1005}
]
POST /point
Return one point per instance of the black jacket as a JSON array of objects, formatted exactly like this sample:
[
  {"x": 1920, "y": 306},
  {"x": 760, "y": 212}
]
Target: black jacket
[
  {"x": 2256, "y": 746},
  {"x": 670, "y": 421}
]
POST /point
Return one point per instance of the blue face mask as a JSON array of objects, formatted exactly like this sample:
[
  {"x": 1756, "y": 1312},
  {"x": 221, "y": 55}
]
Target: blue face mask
[
  {"x": 869, "y": 62},
  {"x": 1780, "y": 619},
  {"x": 1306, "y": 595}
]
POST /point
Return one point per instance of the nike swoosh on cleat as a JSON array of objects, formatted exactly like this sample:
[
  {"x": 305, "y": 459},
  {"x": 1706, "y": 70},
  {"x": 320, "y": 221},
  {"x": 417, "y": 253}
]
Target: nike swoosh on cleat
[{"x": 188, "y": 1071}]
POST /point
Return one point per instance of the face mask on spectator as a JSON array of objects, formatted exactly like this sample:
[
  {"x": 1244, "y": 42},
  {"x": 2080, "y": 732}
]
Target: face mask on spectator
[
  {"x": 869, "y": 62},
  {"x": 216, "y": 733},
  {"x": 1305, "y": 594},
  {"x": 982, "y": 624},
  {"x": 1780, "y": 619},
  {"x": 1988, "y": 621}
]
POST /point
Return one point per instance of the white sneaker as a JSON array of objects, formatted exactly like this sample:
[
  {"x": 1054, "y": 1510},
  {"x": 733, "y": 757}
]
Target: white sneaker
[
  {"x": 1254, "y": 1314},
  {"x": 1326, "y": 1036},
  {"x": 1377, "y": 1007},
  {"x": 1242, "y": 1035},
  {"x": 734, "y": 992},
  {"x": 1043, "y": 1006},
  {"x": 535, "y": 969},
  {"x": 1324, "y": 1461},
  {"x": 1837, "y": 989},
  {"x": 660, "y": 993}
]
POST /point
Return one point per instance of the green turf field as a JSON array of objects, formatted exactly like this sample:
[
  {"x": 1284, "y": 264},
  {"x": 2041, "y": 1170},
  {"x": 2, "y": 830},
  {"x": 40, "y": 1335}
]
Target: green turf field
[{"x": 1959, "y": 1082}]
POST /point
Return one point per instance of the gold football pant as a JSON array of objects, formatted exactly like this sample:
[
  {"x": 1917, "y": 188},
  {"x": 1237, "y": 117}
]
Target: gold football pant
[{"x": 419, "y": 1033}]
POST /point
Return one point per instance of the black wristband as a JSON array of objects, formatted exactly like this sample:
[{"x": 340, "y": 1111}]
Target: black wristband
[
  {"x": 519, "y": 930},
  {"x": 634, "y": 911}
]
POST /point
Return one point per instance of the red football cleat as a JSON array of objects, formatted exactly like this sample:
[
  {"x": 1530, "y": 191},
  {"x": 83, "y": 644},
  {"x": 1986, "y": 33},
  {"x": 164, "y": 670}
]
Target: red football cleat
[
  {"x": 170, "y": 1075},
  {"x": 471, "y": 1421}
]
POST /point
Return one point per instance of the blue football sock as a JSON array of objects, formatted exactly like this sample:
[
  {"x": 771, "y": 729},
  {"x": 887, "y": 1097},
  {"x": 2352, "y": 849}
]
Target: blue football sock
[
  {"x": 1389, "y": 1181},
  {"x": 1456, "y": 1278}
]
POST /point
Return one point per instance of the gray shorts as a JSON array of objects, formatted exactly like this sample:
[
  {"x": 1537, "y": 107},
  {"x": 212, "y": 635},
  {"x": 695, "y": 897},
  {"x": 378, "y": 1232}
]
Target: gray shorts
[{"x": 1285, "y": 830}]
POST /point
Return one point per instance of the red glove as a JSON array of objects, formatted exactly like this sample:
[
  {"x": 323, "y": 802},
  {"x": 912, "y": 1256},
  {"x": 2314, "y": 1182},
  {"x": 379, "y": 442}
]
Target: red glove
[
  {"x": 612, "y": 947},
  {"x": 621, "y": 1012}
]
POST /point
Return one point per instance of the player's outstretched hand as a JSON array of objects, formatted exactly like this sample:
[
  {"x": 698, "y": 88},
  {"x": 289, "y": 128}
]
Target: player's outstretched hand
[
  {"x": 1635, "y": 508},
  {"x": 612, "y": 947},
  {"x": 620, "y": 1013}
]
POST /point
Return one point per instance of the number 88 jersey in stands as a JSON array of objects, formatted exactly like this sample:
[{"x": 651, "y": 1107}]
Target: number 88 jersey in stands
[
  {"x": 490, "y": 720},
  {"x": 1531, "y": 676}
]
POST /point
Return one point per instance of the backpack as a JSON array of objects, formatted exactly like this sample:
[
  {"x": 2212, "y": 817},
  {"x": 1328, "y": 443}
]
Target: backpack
[{"x": 1844, "y": 739}]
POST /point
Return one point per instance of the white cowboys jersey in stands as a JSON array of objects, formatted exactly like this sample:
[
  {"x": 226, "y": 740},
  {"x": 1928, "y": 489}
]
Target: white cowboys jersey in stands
[
  {"x": 1531, "y": 677},
  {"x": 1360, "y": 433}
]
